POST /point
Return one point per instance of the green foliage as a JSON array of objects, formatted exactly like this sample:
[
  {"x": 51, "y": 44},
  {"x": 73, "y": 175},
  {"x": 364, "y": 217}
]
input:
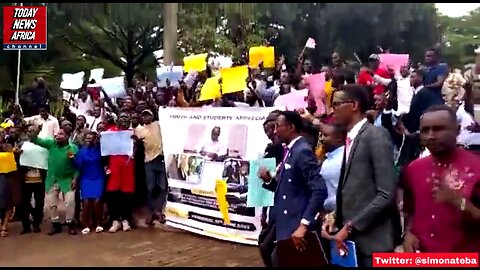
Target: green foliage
[
  {"x": 461, "y": 37},
  {"x": 99, "y": 34}
]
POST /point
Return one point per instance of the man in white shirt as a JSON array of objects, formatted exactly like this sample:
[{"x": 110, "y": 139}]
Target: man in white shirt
[
  {"x": 83, "y": 103},
  {"x": 213, "y": 148},
  {"x": 95, "y": 118},
  {"x": 366, "y": 218},
  {"x": 404, "y": 91},
  {"x": 49, "y": 123}
]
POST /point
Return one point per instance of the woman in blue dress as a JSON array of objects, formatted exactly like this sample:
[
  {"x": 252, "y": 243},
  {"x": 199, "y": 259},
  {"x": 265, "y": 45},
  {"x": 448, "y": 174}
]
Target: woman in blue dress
[{"x": 92, "y": 182}]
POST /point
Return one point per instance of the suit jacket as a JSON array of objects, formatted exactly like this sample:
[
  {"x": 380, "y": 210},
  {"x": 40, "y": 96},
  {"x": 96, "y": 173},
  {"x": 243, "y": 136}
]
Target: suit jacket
[
  {"x": 299, "y": 190},
  {"x": 366, "y": 193}
]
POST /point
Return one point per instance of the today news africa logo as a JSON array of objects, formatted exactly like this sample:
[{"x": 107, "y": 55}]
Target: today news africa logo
[{"x": 24, "y": 28}]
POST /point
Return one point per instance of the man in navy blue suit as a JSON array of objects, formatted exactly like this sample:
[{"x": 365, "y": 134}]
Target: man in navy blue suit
[{"x": 300, "y": 191}]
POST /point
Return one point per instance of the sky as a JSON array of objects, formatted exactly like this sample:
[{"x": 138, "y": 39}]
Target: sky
[{"x": 456, "y": 9}]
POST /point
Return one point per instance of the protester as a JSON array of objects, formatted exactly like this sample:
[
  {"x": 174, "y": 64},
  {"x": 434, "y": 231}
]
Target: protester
[
  {"x": 120, "y": 184},
  {"x": 423, "y": 98},
  {"x": 435, "y": 73},
  {"x": 300, "y": 190},
  {"x": 275, "y": 149},
  {"x": 49, "y": 124},
  {"x": 80, "y": 131},
  {"x": 89, "y": 162},
  {"x": 156, "y": 178},
  {"x": 366, "y": 217},
  {"x": 441, "y": 191},
  {"x": 33, "y": 183},
  {"x": 9, "y": 183},
  {"x": 61, "y": 178}
]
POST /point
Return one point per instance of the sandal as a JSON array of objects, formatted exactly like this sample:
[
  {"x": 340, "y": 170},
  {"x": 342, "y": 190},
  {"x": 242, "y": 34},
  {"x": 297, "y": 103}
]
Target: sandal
[{"x": 3, "y": 233}]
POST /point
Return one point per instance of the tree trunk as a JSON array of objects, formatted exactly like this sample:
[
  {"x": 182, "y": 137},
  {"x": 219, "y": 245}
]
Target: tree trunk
[
  {"x": 170, "y": 32},
  {"x": 129, "y": 74}
]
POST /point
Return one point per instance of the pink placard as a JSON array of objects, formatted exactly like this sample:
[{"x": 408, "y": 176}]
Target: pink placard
[
  {"x": 394, "y": 61},
  {"x": 316, "y": 85},
  {"x": 293, "y": 100}
]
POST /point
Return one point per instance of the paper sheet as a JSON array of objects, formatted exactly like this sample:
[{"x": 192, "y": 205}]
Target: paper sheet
[
  {"x": 72, "y": 81},
  {"x": 257, "y": 196},
  {"x": 116, "y": 143},
  {"x": 211, "y": 89},
  {"x": 173, "y": 73},
  {"x": 234, "y": 79},
  {"x": 262, "y": 53},
  {"x": 114, "y": 87},
  {"x": 394, "y": 61},
  {"x": 316, "y": 84},
  {"x": 34, "y": 156},
  {"x": 293, "y": 100},
  {"x": 196, "y": 62},
  {"x": 97, "y": 74}
]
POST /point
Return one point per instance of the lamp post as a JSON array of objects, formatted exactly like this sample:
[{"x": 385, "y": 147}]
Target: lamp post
[{"x": 19, "y": 59}]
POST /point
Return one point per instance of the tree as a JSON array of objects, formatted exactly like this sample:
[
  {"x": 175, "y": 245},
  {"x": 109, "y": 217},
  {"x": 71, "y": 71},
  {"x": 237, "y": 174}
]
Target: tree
[
  {"x": 460, "y": 37},
  {"x": 126, "y": 35}
]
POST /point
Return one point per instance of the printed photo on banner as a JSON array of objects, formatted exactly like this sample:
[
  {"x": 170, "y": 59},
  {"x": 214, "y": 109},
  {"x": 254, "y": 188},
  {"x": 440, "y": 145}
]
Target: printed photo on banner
[{"x": 217, "y": 142}]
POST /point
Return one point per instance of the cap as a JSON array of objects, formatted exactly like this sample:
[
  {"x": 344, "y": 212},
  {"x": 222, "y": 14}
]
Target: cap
[
  {"x": 374, "y": 57},
  {"x": 147, "y": 111}
]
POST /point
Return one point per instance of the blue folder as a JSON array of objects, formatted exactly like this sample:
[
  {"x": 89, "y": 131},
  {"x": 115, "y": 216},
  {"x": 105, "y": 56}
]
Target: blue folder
[{"x": 348, "y": 260}]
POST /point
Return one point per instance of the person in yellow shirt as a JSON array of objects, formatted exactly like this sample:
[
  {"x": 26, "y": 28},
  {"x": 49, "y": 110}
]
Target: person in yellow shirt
[
  {"x": 9, "y": 194},
  {"x": 328, "y": 87}
]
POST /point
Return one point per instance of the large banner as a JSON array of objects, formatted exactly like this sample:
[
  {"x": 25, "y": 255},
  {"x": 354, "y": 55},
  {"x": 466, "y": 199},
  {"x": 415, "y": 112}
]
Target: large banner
[{"x": 203, "y": 146}]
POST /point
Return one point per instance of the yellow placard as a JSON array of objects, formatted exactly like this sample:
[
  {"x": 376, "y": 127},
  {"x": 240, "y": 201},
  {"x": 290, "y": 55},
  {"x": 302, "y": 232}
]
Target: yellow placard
[
  {"x": 197, "y": 62},
  {"x": 7, "y": 162},
  {"x": 262, "y": 53},
  {"x": 210, "y": 89},
  {"x": 221, "y": 190},
  {"x": 234, "y": 79}
]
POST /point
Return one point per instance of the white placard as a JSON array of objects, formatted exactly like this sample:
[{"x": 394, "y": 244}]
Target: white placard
[
  {"x": 72, "y": 81},
  {"x": 113, "y": 143},
  {"x": 34, "y": 156},
  {"x": 114, "y": 87},
  {"x": 97, "y": 74},
  {"x": 173, "y": 73}
]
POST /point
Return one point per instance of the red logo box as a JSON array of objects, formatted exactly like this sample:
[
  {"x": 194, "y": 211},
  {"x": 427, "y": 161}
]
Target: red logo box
[{"x": 25, "y": 28}]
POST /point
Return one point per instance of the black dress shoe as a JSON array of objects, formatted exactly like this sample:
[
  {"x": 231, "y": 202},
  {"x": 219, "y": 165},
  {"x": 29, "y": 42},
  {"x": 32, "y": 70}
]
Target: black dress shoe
[
  {"x": 36, "y": 229},
  {"x": 56, "y": 228},
  {"x": 25, "y": 231}
]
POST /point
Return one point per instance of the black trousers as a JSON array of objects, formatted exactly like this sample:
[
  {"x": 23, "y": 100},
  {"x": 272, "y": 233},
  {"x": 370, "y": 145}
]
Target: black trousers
[
  {"x": 266, "y": 243},
  {"x": 120, "y": 206},
  {"x": 26, "y": 209}
]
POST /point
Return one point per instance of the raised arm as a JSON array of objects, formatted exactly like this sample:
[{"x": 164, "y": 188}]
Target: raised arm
[{"x": 43, "y": 142}]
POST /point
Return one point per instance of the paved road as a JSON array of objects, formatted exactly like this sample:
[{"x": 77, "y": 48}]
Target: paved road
[{"x": 161, "y": 246}]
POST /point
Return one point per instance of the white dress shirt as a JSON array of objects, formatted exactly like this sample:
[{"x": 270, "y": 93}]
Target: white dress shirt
[
  {"x": 84, "y": 107},
  {"x": 466, "y": 137},
  {"x": 330, "y": 171},
  {"x": 352, "y": 134},
  {"x": 50, "y": 125},
  {"x": 404, "y": 94}
]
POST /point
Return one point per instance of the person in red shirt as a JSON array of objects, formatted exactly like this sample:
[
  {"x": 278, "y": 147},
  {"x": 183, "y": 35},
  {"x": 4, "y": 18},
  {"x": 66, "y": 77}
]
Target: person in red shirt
[
  {"x": 441, "y": 192},
  {"x": 120, "y": 188},
  {"x": 374, "y": 76}
]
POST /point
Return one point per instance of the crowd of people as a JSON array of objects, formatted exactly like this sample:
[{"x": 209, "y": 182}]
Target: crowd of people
[{"x": 382, "y": 145}]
